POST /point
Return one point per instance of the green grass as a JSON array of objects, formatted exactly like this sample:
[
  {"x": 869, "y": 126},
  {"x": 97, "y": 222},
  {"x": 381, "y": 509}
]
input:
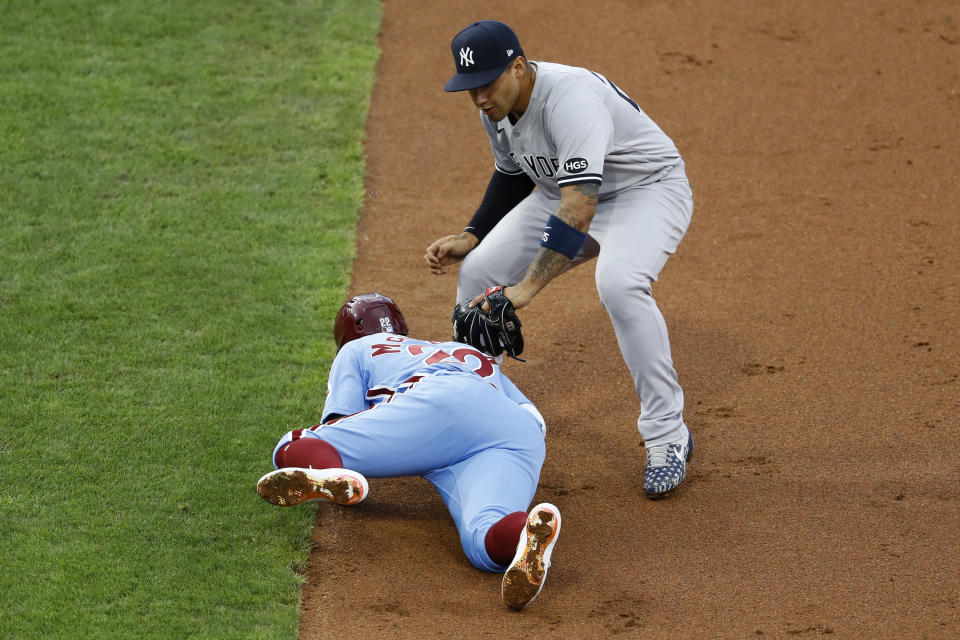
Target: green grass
[{"x": 179, "y": 184}]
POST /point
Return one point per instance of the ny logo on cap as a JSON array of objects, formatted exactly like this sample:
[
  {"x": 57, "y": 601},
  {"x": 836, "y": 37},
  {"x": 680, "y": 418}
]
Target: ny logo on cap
[{"x": 466, "y": 57}]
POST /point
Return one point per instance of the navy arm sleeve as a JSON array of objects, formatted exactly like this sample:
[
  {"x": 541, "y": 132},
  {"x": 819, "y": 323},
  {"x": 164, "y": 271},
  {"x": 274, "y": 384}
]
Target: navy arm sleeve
[{"x": 504, "y": 192}]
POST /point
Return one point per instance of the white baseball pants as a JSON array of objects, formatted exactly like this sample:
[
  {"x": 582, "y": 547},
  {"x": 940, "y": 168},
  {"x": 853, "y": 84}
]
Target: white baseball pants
[{"x": 631, "y": 236}]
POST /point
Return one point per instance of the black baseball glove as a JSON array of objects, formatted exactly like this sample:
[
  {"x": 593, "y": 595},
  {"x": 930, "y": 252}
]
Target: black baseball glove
[{"x": 493, "y": 332}]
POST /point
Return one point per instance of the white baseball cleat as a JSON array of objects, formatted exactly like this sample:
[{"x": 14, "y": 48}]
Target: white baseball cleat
[
  {"x": 294, "y": 485},
  {"x": 667, "y": 466},
  {"x": 525, "y": 576}
]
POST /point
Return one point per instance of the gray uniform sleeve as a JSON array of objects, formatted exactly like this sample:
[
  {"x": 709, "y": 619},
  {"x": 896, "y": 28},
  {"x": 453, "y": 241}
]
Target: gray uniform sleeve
[{"x": 583, "y": 132}]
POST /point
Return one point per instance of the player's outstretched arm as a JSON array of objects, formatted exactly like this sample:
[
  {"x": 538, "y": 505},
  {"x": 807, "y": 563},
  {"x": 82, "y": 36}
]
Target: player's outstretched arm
[
  {"x": 567, "y": 231},
  {"x": 448, "y": 250}
]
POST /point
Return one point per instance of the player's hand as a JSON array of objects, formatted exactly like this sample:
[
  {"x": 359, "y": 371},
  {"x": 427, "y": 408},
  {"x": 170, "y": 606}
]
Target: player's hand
[
  {"x": 448, "y": 250},
  {"x": 518, "y": 294}
]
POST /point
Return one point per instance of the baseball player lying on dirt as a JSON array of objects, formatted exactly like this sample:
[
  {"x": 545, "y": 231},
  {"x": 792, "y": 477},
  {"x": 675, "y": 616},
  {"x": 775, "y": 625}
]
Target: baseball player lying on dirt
[{"x": 397, "y": 406}]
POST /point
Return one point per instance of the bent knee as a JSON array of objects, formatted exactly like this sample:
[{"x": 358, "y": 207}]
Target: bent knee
[
  {"x": 615, "y": 290},
  {"x": 291, "y": 436}
]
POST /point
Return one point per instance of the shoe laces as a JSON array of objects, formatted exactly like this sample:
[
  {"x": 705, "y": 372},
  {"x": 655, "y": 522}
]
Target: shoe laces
[{"x": 657, "y": 456}]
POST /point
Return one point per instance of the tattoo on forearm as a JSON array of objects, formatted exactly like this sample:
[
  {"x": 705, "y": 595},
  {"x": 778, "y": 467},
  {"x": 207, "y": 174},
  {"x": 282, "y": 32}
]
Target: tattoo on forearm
[
  {"x": 575, "y": 211},
  {"x": 546, "y": 264},
  {"x": 590, "y": 191},
  {"x": 578, "y": 210}
]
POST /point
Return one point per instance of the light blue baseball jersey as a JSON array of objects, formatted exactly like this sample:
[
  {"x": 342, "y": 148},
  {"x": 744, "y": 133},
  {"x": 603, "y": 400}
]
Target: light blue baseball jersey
[
  {"x": 580, "y": 127},
  {"x": 374, "y": 368}
]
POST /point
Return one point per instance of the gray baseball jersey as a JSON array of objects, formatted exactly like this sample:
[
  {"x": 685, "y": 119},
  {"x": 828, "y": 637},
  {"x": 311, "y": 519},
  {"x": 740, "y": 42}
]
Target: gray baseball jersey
[{"x": 581, "y": 128}]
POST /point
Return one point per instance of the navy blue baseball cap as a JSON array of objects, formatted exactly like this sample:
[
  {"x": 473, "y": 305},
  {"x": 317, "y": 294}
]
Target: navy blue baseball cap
[{"x": 481, "y": 52}]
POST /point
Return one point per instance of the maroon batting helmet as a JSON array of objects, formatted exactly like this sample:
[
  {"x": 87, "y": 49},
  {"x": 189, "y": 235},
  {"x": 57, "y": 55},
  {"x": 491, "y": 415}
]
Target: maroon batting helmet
[{"x": 367, "y": 314}]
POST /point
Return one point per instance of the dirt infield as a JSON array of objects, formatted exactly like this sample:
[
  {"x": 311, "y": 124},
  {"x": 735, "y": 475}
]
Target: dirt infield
[{"x": 813, "y": 310}]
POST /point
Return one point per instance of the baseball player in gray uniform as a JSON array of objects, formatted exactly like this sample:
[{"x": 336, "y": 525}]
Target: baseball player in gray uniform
[{"x": 609, "y": 185}]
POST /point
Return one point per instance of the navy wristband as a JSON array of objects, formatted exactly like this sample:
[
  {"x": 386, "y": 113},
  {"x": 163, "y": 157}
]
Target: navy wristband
[{"x": 562, "y": 238}]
